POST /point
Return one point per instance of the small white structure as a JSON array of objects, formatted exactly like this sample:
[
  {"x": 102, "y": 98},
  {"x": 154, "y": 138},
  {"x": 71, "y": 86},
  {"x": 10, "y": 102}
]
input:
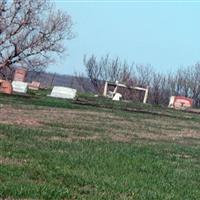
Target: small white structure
[
  {"x": 117, "y": 97},
  {"x": 111, "y": 94},
  {"x": 63, "y": 92},
  {"x": 171, "y": 102},
  {"x": 19, "y": 86}
]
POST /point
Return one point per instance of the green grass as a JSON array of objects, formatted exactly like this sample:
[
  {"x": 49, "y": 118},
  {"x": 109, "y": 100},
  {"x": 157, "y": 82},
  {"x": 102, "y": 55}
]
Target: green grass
[
  {"x": 54, "y": 161},
  {"x": 35, "y": 99},
  {"x": 86, "y": 101},
  {"x": 96, "y": 170}
]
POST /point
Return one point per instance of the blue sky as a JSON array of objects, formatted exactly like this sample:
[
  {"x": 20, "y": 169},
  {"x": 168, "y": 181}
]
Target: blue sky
[{"x": 163, "y": 34}]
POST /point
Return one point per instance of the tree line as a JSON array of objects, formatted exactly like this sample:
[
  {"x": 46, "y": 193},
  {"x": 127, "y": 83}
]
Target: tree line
[{"x": 184, "y": 81}]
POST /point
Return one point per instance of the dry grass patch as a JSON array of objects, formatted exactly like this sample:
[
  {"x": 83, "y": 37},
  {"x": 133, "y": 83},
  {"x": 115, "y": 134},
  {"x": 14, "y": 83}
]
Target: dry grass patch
[
  {"x": 93, "y": 125},
  {"x": 11, "y": 161},
  {"x": 2, "y": 136},
  {"x": 11, "y": 115},
  {"x": 169, "y": 135},
  {"x": 74, "y": 138},
  {"x": 69, "y": 138},
  {"x": 121, "y": 138}
]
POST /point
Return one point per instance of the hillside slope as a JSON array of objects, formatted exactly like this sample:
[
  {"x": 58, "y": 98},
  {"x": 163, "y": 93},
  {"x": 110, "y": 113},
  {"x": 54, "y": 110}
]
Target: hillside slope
[{"x": 96, "y": 149}]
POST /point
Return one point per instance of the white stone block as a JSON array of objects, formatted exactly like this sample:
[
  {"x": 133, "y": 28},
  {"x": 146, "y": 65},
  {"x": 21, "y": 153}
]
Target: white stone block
[
  {"x": 63, "y": 92},
  {"x": 19, "y": 86}
]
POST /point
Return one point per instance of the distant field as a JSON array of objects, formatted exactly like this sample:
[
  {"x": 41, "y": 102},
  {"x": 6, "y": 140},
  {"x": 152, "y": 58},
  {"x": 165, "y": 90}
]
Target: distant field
[{"x": 96, "y": 149}]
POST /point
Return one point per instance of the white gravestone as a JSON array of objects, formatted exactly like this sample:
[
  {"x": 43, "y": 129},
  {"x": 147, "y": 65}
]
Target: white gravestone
[
  {"x": 117, "y": 97},
  {"x": 19, "y": 86},
  {"x": 63, "y": 92},
  {"x": 171, "y": 102}
]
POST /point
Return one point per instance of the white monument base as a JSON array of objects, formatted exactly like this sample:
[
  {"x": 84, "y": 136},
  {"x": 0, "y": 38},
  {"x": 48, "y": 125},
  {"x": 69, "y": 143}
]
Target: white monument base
[
  {"x": 19, "y": 86},
  {"x": 63, "y": 92}
]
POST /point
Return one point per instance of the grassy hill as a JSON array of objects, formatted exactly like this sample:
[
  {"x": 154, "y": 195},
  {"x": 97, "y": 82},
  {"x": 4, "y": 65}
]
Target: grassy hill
[{"x": 94, "y": 148}]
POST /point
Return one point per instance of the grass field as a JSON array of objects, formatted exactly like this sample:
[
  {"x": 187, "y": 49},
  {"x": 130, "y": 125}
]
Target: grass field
[{"x": 96, "y": 149}]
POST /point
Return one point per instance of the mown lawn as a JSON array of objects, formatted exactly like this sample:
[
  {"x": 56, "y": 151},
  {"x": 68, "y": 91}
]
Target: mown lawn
[{"x": 97, "y": 152}]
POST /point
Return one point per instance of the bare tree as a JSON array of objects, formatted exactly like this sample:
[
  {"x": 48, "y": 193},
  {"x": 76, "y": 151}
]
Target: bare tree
[
  {"x": 93, "y": 71},
  {"x": 194, "y": 83},
  {"x": 144, "y": 74},
  {"x": 83, "y": 82},
  {"x": 184, "y": 81},
  {"x": 155, "y": 88},
  {"x": 31, "y": 32},
  {"x": 107, "y": 69}
]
